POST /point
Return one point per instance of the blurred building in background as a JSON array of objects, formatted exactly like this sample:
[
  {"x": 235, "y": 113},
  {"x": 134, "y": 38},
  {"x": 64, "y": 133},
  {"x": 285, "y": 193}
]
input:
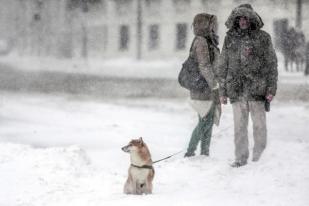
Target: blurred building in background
[{"x": 106, "y": 29}]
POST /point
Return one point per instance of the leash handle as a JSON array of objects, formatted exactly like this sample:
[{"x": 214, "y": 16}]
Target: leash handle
[{"x": 167, "y": 157}]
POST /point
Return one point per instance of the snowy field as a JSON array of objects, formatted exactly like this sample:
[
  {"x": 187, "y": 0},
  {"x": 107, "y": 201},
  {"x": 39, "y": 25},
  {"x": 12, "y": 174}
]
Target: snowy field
[
  {"x": 60, "y": 150},
  {"x": 107, "y": 68}
]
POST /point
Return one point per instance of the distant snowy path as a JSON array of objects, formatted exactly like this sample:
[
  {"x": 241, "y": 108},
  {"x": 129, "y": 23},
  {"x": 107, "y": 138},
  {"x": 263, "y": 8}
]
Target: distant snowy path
[{"x": 64, "y": 151}]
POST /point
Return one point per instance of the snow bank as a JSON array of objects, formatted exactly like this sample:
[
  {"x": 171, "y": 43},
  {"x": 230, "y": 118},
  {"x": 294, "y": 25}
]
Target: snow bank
[
  {"x": 121, "y": 67},
  {"x": 37, "y": 176},
  {"x": 93, "y": 173}
]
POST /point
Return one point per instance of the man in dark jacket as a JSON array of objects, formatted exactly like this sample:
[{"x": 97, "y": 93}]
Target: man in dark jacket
[{"x": 248, "y": 76}]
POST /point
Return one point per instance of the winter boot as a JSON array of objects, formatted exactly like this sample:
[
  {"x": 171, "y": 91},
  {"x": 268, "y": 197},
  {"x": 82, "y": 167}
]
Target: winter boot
[
  {"x": 238, "y": 163},
  {"x": 255, "y": 159},
  {"x": 206, "y": 153},
  {"x": 189, "y": 154}
]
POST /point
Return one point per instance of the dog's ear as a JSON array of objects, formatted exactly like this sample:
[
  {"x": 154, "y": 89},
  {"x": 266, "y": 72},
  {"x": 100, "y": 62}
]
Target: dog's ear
[{"x": 141, "y": 141}]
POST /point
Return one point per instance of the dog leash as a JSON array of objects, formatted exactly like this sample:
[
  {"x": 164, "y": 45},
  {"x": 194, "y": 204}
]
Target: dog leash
[
  {"x": 167, "y": 157},
  {"x": 150, "y": 166},
  {"x": 227, "y": 128}
]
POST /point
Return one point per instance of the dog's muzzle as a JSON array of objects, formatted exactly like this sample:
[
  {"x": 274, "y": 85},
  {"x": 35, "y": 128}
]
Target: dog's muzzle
[{"x": 125, "y": 149}]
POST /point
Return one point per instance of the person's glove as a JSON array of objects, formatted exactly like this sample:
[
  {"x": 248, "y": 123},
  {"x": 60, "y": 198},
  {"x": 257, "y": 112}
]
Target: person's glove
[
  {"x": 223, "y": 100},
  {"x": 269, "y": 97}
]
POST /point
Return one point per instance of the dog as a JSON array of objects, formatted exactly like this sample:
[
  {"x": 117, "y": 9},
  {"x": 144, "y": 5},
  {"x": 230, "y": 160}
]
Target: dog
[{"x": 141, "y": 171}]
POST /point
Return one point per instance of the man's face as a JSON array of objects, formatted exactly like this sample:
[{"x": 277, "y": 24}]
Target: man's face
[{"x": 243, "y": 23}]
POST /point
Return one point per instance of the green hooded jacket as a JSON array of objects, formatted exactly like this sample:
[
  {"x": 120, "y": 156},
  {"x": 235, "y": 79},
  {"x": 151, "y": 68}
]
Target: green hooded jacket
[{"x": 247, "y": 65}]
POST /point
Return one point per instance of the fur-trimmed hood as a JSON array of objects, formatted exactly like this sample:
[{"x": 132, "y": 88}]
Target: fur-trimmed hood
[{"x": 244, "y": 10}]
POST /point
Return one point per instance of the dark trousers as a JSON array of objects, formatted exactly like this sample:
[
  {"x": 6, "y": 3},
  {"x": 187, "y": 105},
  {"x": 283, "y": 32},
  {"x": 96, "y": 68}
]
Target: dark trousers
[{"x": 202, "y": 132}]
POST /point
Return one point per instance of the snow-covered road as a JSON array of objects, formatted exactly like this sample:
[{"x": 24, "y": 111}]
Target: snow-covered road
[{"x": 59, "y": 150}]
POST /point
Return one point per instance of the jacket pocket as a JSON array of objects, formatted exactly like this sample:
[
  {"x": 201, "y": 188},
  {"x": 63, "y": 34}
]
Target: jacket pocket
[
  {"x": 258, "y": 87},
  {"x": 232, "y": 87}
]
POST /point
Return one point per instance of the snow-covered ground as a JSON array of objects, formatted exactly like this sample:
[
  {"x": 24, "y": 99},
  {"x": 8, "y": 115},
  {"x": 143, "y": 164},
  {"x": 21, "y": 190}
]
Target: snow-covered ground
[
  {"x": 125, "y": 67},
  {"x": 121, "y": 67},
  {"x": 59, "y": 150}
]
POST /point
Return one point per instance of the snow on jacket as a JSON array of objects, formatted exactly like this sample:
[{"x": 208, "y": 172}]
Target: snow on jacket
[
  {"x": 248, "y": 64},
  {"x": 205, "y": 51}
]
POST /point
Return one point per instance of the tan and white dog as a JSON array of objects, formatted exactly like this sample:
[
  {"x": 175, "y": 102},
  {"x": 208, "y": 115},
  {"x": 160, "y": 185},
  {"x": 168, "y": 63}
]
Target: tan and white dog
[{"x": 141, "y": 172}]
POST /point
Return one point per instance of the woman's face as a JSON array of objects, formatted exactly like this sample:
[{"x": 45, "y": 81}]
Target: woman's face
[
  {"x": 243, "y": 23},
  {"x": 199, "y": 27},
  {"x": 213, "y": 26}
]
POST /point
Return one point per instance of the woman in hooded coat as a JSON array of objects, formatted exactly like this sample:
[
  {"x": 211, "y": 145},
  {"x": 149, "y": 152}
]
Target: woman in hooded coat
[{"x": 206, "y": 102}]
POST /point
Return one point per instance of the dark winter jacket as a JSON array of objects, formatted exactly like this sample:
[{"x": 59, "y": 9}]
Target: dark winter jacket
[
  {"x": 205, "y": 51},
  {"x": 248, "y": 63},
  {"x": 307, "y": 59}
]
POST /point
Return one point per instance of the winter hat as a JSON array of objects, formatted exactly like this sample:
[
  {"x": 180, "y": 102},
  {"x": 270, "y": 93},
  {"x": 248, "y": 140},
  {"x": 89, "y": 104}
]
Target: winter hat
[
  {"x": 248, "y": 6},
  {"x": 203, "y": 24},
  {"x": 247, "y": 11}
]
